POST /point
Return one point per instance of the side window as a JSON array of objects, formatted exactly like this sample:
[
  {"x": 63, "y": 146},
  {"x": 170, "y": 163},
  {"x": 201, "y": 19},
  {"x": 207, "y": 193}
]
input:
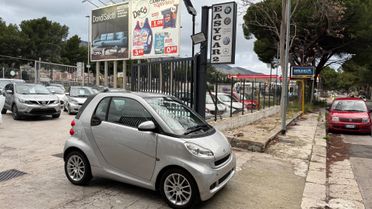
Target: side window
[
  {"x": 127, "y": 112},
  {"x": 8, "y": 87},
  {"x": 101, "y": 109}
]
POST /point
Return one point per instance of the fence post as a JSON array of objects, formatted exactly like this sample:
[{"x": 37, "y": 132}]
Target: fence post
[
  {"x": 243, "y": 96},
  {"x": 115, "y": 74}
]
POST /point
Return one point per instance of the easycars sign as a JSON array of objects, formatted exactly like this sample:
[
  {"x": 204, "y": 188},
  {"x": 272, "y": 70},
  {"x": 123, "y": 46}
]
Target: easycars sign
[{"x": 223, "y": 33}]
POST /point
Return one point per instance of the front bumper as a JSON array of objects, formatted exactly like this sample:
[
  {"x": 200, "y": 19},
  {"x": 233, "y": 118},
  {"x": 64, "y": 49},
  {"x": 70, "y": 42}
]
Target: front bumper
[
  {"x": 38, "y": 110},
  {"x": 342, "y": 127},
  {"x": 211, "y": 180}
]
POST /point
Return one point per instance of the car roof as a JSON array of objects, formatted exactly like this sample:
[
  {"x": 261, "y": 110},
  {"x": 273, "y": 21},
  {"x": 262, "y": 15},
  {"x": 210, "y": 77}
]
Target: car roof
[
  {"x": 139, "y": 94},
  {"x": 348, "y": 98}
]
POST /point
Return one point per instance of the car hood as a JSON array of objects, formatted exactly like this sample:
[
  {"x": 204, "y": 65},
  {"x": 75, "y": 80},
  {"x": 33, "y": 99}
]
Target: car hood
[
  {"x": 350, "y": 114},
  {"x": 216, "y": 142},
  {"x": 236, "y": 105},
  {"x": 80, "y": 99},
  {"x": 38, "y": 97}
]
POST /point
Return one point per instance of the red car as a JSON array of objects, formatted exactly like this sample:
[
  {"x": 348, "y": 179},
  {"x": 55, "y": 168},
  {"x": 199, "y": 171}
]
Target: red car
[
  {"x": 349, "y": 115},
  {"x": 247, "y": 100}
]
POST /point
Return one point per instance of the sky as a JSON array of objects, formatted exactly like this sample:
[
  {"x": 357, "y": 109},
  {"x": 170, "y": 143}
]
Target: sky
[{"x": 72, "y": 13}]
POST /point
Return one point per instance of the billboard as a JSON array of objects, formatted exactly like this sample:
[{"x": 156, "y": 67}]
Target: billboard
[
  {"x": 223, "y": 33},
  {"x": 155, "y": 28},
  {"x": 109, "y": 33}
]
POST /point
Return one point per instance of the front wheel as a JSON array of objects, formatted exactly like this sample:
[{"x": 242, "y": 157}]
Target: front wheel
[
  {"x": 77, "y": 168},
  {"x": 15, "y": 113},
  {"x": 179, "y": 189},
  {"x": 56, "y": 115}
]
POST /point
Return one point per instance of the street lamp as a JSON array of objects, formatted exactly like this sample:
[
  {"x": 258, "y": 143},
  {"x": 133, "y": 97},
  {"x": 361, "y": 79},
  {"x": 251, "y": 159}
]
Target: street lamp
[{"x": 88, "y": 63}]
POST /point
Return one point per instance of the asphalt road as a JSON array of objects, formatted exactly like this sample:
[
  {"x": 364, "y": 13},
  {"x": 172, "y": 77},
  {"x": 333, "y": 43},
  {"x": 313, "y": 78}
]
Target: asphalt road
[
  {"x": 360, "y": 153},
  {"x": 33, "y": 146}
]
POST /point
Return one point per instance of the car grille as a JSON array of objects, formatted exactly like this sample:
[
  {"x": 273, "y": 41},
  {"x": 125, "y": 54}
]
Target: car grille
[
  {"x": 43, "y": 111},
  {"x": 41, "y": 102},
  {"x": 357, "y": 120},
  {"x": 222, "y": 160}
]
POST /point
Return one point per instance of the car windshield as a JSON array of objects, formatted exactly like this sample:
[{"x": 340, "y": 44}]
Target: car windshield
[
  {"x": 31, "y": 89},
  {"x": 179, "y": 118},
  {"x": 349, "y": 105},
  {"x": 225, "y": 98},
  {"x": 55, "y": 89},
  {"x": 81, "y": 92}
]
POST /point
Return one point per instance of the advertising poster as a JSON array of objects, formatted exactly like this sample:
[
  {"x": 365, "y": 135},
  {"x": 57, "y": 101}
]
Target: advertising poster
[
  {"x": 109, "y": 33},
  {"x": 155, "y": 28},
  {"x": 223, "y": 33}
]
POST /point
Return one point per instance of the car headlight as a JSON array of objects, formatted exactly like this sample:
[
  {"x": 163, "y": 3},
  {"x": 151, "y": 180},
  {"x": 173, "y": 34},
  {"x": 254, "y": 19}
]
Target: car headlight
[
  {"x": 73, "y": 101},
  {"x": 365, "y": 120},
  {"x": 198, "y": 151},
  {"x": 335, "y": 119},
  {"x": 21, "y": 100},
  {"x": 56, "y": 101}
]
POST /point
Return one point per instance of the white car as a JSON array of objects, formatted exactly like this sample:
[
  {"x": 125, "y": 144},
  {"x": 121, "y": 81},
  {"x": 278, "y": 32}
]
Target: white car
[
  {"x": 225, "y": 99},
  {"x": 210, "y": 108},
  {"x": 60, "y": 93}
]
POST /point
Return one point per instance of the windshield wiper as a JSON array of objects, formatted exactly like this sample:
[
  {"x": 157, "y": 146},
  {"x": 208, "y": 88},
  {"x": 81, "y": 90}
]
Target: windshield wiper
[{"x": 196, "y": 128}]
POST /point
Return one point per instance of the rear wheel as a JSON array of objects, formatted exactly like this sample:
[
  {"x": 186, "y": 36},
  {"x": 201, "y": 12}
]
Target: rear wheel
[
  {"x": 77, "y": 168},
  {"x": 15, "y": 113},
  {"x": 179, "y": 189}
]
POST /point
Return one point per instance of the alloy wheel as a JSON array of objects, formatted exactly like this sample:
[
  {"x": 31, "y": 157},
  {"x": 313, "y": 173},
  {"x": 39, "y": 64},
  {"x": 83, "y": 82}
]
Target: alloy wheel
[
  {"x": 75, "y": 167},
  {"x": 177, "y": 189}
]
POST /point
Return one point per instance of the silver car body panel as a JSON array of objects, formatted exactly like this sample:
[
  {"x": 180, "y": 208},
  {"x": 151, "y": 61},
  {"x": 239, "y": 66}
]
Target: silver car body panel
[{"x": 125, "y": 154}]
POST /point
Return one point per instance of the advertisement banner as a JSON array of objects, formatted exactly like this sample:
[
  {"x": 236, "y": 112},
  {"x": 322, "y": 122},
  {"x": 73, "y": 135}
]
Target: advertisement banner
[
  {"x": 109, "y": 33},
  {"x": 223, "y": 34},
  {"x": 155, "y": 28}
]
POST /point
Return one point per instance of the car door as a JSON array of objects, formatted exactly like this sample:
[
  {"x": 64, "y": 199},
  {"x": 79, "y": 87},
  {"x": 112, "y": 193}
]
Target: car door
[{"x": 123, "y": 146}]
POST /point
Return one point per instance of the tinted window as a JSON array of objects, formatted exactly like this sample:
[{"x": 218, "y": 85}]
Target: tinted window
[
  {"x": 82, "y": 108},
  {"x": 349, "y": 105},
  {"x": 127, "y": 112},
  {"x": 101, "y": 109}
]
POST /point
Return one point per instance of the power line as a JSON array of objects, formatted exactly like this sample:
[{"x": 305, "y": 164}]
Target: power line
[{"x": 17, "y": 58}]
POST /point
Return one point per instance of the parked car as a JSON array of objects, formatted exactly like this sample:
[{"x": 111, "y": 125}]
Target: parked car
[
  {"x": 149, "y": 140},
  {"x": 210, "y": 108},
  {"x": 30, "y": 100},
  {"x": 76, "y": 98},
  {"x": 5, "y": 81},
  {"x": 225, "y": 99},
  {"x": 60, "y": 93},
  {"x": 250, "y": 102},
  {"x": 349, "y": 114}
]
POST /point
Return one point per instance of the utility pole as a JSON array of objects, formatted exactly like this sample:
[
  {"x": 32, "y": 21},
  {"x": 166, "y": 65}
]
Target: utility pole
[
  {"x": 88, "y": 63},
  {"x": 284, "y": 56}
]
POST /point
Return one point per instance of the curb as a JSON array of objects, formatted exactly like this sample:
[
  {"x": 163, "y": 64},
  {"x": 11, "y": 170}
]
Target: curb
[
  {"x": 315, "y": 190},
  {"x": 257, "y": 146}
]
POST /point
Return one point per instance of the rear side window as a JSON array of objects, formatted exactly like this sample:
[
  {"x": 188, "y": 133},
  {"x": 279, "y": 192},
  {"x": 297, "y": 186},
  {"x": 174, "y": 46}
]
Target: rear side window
[
  {"x": 101, "y": 110},
  {"x": 82, "y": 108},
  {"x": 127, "y": 112}
]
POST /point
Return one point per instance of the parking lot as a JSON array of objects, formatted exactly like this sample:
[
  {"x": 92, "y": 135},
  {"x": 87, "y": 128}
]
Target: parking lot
[{"x": 34, "y": 146}]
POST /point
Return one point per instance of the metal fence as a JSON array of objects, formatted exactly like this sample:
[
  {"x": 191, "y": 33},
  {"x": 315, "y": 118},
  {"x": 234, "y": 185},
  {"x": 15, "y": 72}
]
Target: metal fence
[{"x": 171, "y": 77}]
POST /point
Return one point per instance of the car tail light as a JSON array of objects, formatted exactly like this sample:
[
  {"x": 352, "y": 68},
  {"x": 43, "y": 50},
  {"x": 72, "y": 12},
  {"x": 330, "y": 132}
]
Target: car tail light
[
  {"x": 72, "y": 131},
  {"x": 73, "y": 123}
]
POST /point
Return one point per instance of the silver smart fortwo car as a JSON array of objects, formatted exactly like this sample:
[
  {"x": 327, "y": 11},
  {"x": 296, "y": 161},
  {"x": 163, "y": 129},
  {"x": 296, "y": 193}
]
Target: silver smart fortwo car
[{"x": 149, "y": 140}]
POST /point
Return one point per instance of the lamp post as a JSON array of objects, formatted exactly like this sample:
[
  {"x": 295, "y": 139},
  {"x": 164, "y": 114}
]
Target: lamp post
[{"x": 88, "y": 63}]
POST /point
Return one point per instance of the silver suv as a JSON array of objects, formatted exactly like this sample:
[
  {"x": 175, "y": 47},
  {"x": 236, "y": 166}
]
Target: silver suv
[
  {"x": 149, "y": 140},
  {"x": 30, "y": 100}
]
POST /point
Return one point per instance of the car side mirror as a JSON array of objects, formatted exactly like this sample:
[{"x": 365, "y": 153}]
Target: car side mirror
[
  {"x": 9, "y": 91},
  {"x": 67, "y": 94},
  {"x": 147, "y": 126},
  {"x": 95, "y": 121},
  {"x": 328, "y": 108}
]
